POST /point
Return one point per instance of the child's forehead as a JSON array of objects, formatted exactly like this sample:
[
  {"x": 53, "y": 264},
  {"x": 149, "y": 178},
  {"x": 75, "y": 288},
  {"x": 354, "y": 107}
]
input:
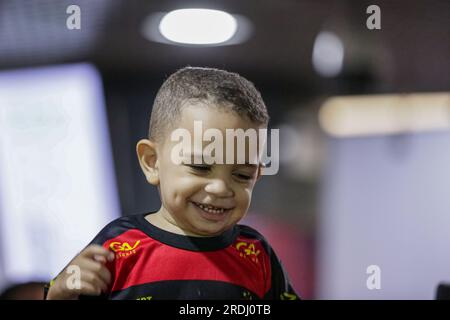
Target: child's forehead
[{"x": 211, "y": 115}]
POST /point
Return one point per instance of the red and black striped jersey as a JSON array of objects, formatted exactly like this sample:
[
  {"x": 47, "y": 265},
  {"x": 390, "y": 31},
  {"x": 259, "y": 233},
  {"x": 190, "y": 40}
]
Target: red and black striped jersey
[{"x": 151, "y": 263}]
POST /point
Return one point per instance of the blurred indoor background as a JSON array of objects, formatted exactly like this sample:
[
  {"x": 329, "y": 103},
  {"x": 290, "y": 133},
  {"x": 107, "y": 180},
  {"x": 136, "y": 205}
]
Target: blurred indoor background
[{"x": 364, "y": 119}]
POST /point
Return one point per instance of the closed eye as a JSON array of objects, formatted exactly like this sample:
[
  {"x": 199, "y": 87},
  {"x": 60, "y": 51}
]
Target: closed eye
[
  {"x": 243, "y": 176},
  {"x": 201, "y": 168}
]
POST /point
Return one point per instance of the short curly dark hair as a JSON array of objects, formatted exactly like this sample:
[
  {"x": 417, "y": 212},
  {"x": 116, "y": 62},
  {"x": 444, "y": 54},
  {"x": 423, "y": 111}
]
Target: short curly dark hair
[{"x": 214, "y": 87}]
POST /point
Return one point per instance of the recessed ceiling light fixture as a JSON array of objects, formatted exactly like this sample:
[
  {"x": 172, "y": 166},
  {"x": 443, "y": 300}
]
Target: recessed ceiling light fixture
[{"x": 198, "y": 26}]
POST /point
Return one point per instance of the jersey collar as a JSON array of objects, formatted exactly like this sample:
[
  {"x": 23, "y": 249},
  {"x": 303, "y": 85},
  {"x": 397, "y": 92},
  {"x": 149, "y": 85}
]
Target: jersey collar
[{"x": 186, "y": 242}]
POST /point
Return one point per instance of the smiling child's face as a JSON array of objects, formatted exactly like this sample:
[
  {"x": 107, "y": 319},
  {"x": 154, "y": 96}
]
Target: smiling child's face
[{"x": 199, "y": 199}]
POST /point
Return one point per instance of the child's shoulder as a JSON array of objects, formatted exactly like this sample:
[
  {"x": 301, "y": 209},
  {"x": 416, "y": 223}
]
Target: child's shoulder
[
  {"x": 253, "y": 234},
  {"x": 249, "y": 231},
  {"x": 122, "y": 223},
  {"x": 117, "y": 227}
]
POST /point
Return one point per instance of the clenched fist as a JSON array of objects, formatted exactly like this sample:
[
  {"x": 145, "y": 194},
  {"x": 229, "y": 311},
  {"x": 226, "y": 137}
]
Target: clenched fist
[{"x": 91, "y": 275}]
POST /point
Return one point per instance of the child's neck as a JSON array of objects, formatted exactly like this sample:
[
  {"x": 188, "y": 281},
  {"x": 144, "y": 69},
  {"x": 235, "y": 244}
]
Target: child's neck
[{"x": 163, "y": 220}]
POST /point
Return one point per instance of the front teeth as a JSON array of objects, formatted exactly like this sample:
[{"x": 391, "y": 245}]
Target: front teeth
[{"x": 211, "y": 209}]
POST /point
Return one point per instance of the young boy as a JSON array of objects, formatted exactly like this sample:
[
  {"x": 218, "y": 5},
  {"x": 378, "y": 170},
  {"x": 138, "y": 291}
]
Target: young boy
[{"x": 192, "y": 247}]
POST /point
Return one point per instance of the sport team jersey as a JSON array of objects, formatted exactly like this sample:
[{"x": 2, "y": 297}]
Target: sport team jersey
[{"x": 151, "y": 263}]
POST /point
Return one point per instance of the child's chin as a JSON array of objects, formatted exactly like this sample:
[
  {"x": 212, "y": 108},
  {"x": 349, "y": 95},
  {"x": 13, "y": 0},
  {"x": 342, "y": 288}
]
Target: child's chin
[
  {"x": 207, "y": 233},
  {"x": 207, "y": 229}
]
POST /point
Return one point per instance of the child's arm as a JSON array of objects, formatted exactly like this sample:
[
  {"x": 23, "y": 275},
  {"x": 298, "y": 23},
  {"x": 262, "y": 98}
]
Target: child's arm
[{"x": 91, "y": 277}]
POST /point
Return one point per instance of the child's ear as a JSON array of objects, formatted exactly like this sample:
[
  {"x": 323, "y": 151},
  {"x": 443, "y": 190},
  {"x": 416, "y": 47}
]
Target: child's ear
[{"x": 148, "y": 159}]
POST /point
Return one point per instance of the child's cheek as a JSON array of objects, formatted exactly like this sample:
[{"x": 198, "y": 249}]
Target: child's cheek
[
  {"x": 182, "y": 190},
  {"x": 247, "y": 196}
]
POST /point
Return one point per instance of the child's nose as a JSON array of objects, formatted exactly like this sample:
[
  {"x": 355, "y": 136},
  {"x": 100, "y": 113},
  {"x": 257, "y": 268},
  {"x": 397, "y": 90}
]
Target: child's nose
[{"x": 219, "y": 188}]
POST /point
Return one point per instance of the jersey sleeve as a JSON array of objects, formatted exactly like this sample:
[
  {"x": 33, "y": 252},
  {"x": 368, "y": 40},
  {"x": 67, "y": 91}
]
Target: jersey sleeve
[
  {"x": 109, "y": 231},
  {"x": 281, "y": 287},
  {"x": 277, "y": 279}
]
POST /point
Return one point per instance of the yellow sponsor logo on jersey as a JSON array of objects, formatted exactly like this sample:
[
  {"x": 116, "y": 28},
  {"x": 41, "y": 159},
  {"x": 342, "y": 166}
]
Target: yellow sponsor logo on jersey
[
  {"x": 145, "y": 298},
  {"x": 248, "y": 250},
  {"x": 124, "y": 249},
  {"x": 288, "y": 296}
]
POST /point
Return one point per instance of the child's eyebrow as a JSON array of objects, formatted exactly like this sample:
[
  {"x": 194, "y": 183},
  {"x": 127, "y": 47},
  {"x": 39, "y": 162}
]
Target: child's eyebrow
[
  {"x": 191, "y": 156},
  {"x": 252, "y": 165},
  {"x": 197, "y": 155}
]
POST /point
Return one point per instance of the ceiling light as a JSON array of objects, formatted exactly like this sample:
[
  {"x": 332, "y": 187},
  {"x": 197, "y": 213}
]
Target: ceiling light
[{"x": 198, "y": 26}]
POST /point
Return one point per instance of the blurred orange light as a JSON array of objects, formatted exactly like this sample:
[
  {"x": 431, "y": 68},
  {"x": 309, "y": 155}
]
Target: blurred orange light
[{"x": 348, "y": 116}]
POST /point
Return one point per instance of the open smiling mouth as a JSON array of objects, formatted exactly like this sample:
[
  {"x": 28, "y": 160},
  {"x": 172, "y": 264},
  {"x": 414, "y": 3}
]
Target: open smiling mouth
[{"x": 211, "y": 209}]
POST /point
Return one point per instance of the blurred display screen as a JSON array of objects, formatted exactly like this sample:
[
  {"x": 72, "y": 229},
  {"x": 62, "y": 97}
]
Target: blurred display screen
[
  {"x": 57, "y": 184},
  {"x": 385, "y": 205}
]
